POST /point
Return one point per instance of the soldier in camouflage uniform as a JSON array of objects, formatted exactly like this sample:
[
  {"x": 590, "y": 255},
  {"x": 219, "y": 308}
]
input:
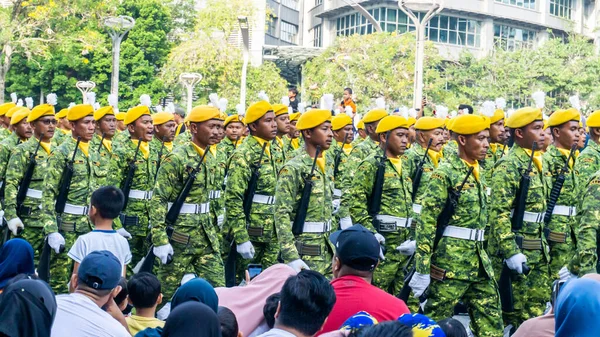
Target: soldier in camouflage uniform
[
  {"x": 392, "y": 225},
  {"x": 106, "y": 127},
  {"x": 341, "y": 125},
  {"x": 254, "y": 236},
  {"x": 293, "y": 139},
  {"x": 587, "y": 229},
  {"x": 564, "y": 125},
  {"x": 459, "y": 266},
  {"x": 310, "y": 248},
  {"x": 194, "y": 243},
  {"x": 5, "y": 121},
  {"x": 588, "y": 161},
  {"x": 497, "y": 147},
  {"x": 280, "y": 143},
  {"x": 164, "y": 133},
  {"x": 527, "y": 244},
  {"x": 64, "y": 128},
  {"x": 233, "y": 131},
  {"x": 29, "y": 214},
  {"x": 74, "y": 220},
  {"x": 21, "y": 132},
  {"x": 362, "y": 134},
  {"x": 120, "y": 116}
]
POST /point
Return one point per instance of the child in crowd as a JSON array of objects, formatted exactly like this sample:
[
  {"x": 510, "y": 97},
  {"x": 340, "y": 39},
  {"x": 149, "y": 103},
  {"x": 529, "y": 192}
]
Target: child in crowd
[{"x": 144, "y": 294}]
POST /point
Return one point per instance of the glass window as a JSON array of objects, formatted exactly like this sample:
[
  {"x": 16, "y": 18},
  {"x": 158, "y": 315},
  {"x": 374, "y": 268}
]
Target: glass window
[
  {"x": 513, "y": 38},
  {"x": 317, "y": 36},
  {"x": 530, "y": 4},
  {"x": 561, "y": 8},
  {"x": 318, "y": 2},
  {"x": 271, "y": 26},
  {"x": 293, "y": 4},
  {"x": 289, "y": 32}
]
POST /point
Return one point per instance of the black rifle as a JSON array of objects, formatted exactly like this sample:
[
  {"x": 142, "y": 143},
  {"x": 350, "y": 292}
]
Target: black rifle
[
  {"x": 65, "y": 184},
  {"x": 173, "y": 213},
  {"x": 298, "y": 225},
  {"x": 419, "y": 172},
  {"x": 338, "y": 157},
  {"x": 505, "y": 286},
  {"x": 503, "y": 149},
  {"x": 147, "y": 262},
  {"x": 5, "y": 231},
  {"x": 101, "y": 141},
  {"x": 162, "y": 147},
  {"x": 26, "y": 181},
  {"x": 375, "y": 202},
  {"x": 557, "y": 187},
  {"x": 132, "y": 167},
  {"x": 519, "y": 211}
]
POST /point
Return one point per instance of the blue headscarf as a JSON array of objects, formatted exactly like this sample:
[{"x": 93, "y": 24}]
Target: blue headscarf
[
  {"x": 422, "y": 326},
  {"x": 359, "y": 320},
  {"x": 577, "y": 309},
  {"x": 16, "y": 257},
  {"x": 196, "y": 290}
]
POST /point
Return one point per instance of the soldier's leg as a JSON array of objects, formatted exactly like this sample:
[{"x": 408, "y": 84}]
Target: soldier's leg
[
  {"x": 139, "y": 249},
  {"x": 483, "y": 303},
  {"x": 270, "y": 253},
  {"x": 530, "y": 293},
  {"x": 560, "y": 256},
  {"x": 210, "y": 267},
  {"x": 35, "y": 237},
  {"x": 61, "y": 266},
  {"x": 443, "y": 296},
  {"x": 384, "y": 276},
  {"x": 170, "y": 275}
]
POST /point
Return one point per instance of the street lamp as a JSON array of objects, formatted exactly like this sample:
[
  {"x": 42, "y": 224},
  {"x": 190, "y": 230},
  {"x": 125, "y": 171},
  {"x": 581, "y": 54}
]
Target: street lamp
[
  {"x": 189, "y": 81},
  {"x": 245, "y": 29},
  {"x": 85, "y": 87},
  {"x": 117, "y": 28},
  {"x": 432, "y": 8}
]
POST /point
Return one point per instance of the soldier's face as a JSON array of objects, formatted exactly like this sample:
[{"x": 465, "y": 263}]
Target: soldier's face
[
  {"x": 566, "y": 135},
  {"x": 206, "y": 133},
  {"x": 446, "y": 134},
  {"x": 65, "y": 124},
  {"x": 121, "y": 125},
  {"x": 4, "y": 121},
  {"x": 23, "y": 129},
  {"x": 293, "y": 132},
  {"x": 362, "y": 133},
  {"x": 436, "y": 136},
  {"x": 166, "y": 131},
  {"x": 84, "y": 128},
  {"x": 221, "y": 131},
  {"x": 320, "y": 136},
  {"x": 397, "y": 140},
  {"x": 45, "y": 125},
  {"x": 497, "y": 131},
  {"x": 346, "y": 133},
  {"x": 533, "y": 132},
  {"x": 283, "y": 123},
  {"x": 474, "y": 146},
  {"x": 234, "y": 130},
  {"x": 265, "y": 127},
  {"x": 411, "y": 134},
  {"x": 107, "y": 126},
  {"x": 142, "y": 128},
  {"x": 582, "y": 137}
]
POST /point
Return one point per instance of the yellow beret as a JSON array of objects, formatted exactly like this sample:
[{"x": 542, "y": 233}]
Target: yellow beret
[
  {"x": 232, "y": 119},
  {"x": 39, "y": 111},
  {"x": 429, "y": 123},
  {"x": 448, "y": 123},
  {"x": 136, "y": 112},
  {"x": 5, "y": 107},
  {"x": 12, "y": 110},
  {"x": 470, "y": 124},
  {"x": 524, "y": 116},
  {"x": 280, "y": 109},
  {"x": 374, "y": 115},
  {"x": 580, "y": 124},
  {"x": 256, "y": 111},
  {"x": 202, "y": 113},
  {"x": 80, "y": 111},
  {"x": 18, "y": 116},
  {"x": 360, "y": 125},
  {"x": 593, "y": 121},
  {"x": 222, "y": 116},
  {"x": 62, "y": 113},
  {"x": 294, "y": 116},
  {"x": 340, "y": 121},
  {"x": 103, "y": 111},
  {"x": 545, "y": 124},
  {"x": 498, "y": 115},
  {"x": 162, "y": 117},
  {"x": 313, "y": 118},
  {"x": 562, "y": 116},
  {"x": 120, "y": 116},
  {"x": 412, "y": 121},
  {"x": 389, "y": 123}
]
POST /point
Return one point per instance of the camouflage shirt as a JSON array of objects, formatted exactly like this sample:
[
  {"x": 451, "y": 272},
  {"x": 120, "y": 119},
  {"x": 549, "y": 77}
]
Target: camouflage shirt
[
  {"x": 587, "y": 230},
  {"x": 59, "y": 136},
  {"x": 410, "y": 161},
  {"x": 330, "y": 155},
  {"x": 554, "y": 161},
  {"x": 105, "y": 156},
  {"x": 4, "y": 132},
  {"x": 6, "y": 148},
  {"x": 450, "y": 149},
  {"x": 278, "y": 150},
  {"x": 588, "y": 163},
  {"x": 494, "y": 153},
  {"x": 227, "y": 146}
]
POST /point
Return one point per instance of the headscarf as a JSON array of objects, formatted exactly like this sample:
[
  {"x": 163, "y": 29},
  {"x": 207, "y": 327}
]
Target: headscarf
[
  {"x": 422, "y": 326},
  {"x": 16, "y": 257},
  {"x": 197, "y": 290},
  {"x": 577, "y": 309},
  {"x": 28, "y": 308},
  {"x": 247, "y": 302},
  {"x": 358, "y": 321},
  {"x": 192, "y": 319}
]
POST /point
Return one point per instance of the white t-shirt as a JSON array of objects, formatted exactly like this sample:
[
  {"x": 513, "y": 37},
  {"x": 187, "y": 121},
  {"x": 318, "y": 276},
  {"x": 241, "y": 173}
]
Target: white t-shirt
[
  {"x": 101, "y": 240},
  {"x": 77, "y": 315}
]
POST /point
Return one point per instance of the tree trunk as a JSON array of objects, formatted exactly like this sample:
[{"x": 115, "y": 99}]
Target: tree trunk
[
  {"x": 2, "y": 86},
  {"x": 5, "y": 56}
]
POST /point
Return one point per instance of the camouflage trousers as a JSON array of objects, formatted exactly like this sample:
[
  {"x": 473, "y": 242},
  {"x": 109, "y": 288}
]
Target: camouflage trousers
[
  {"x": 138, "y": 244},
  {"x": 61, "y": 266},
  {"x": 319, "y": 261},
  {"x": 561, "y": 255},
  {"x": 481, "y": 298},
  {"x": 35, "y": 236},
  {"x": 530, "y": 293},
  {"x": 389, "y": 274}
]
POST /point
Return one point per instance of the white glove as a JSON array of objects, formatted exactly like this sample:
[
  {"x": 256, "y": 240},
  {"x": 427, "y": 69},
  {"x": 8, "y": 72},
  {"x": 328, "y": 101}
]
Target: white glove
[
  {"x": 381, "y": 255},
  {"x": 14, "y": 225},
  {"x": 298, "y": 265},
  {"x": 345, "y": 222},
  {"x": 124, "y": 233},
  {"x": 162, "y": 252},
  {"x": 565, "y": 274},
  {"x": 419, "y": 283},
  {"x": 516, "y": 261},
  {"x": 187, "y": 277},
  {"x": 336, "y": 205},
  {"x": 380, "y": 238},
  {"x": 246, "y": 250},
  {"x": 220, "y": 220},
  {"x": 164, "y": 312},
  {"x": 55, "y": 240},
  {"x": 407, "y": 247}
]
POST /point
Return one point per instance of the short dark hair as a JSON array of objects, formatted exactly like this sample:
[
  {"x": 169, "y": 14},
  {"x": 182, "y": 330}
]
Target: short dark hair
[
  {"x": 349, "y": 90},
  {"x": 179, "y": 110},
  {"x": 144, "y": 289},
  {"x": 122, "y": 295},
  {"x": 229, "y": 324},
  {"x": 306, "y": 301},
  {"x": 386, "y": 329},
  {"x": 293, "y": 90},
  {"x": 270, "y": 309},
  {"x": 453, "y": 328},
  {"x": 108, "y": 200},
  {"x": 466, "y": 106}
]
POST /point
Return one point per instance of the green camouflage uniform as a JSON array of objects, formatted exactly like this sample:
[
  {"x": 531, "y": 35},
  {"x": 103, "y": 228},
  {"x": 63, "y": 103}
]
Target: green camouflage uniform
[
  {"x": 357, "y": 140},
  {"x": 280, "y": 156},
  {"x": 491, "y": 158},
  {"x": 340, "y": 210},
  {"x": 289, "y": 147},
  {"x": 587, "y": 230},
  {"x": 562, "y": 225},
  {"x": 260, "y": 229},
  {"x": 314, "y": 248},
  {"x": 449, "y": 150},
  {"x": 29, "y": 212},
  {"x": 468, "y": 270},
  {"x": 86, "y": 171},
  {"x": 157, "y": 146},
  {"x": 587, "y": 164},
  {"x": 227, "y": 146},
  {"x": 60, "y": 136},
  {"x": 410, "y": 161},
  {"x": 201, "y": 253},
  {"x": 530, "y": 292},
  {"x": 217, "y": 203},
  {"x": 396, "y": 203},
  {"x": 120, "y": 138},
  {"x": 6, "y": 148},
  {"x": 4, "y": 132},
  {"x": 182, "y": 138},
  {"x": 104, "y": 162}
]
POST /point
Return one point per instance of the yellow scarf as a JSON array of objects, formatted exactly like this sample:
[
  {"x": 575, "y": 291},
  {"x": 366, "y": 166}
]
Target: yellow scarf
[
  {"x": 169, "y": 145},
  {"x": 46, "y": 146},
  {"x": 495, "y": 146},
  {"x": 347, "y": 148},
  {"x": 279, "y": 141},
  {"x": 537, "y": 158},
  {"x": 65, "y": 132},
  {"x": 435, "y": 157},
  {"x": 397, "y": 163},
  {"x": 144, "y": 148},
  {"x": 475, "y": 168},
  {"x": 321, "y": 163},
  {"x": 566, "y": 153},
  {"x": 85, "y": 148},
  {"x": 213, "y": 150},
  {"x": 107, "y": 144},
  {"x": 198, "y": 149},
  {"x": 262, "y": 142},
  {"x": 295, "y": 143}
]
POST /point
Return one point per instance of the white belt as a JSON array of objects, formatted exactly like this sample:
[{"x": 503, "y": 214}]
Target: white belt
[
  {"x": 464, "y": 233},
  {"x": 417, "y": 208},
  {"x": 36, "y": 194},
  {"x": 192, "y": 208},
  {"x": 140, "y": 195},
  {"x": 397, "y": 221},
  {"x": 530, "y": 216},
  {"x": 263, "y": 199},
  {"x": 75, "y": 210},
  {"x": 214, "y": 194},
  {"x": 316, "y": 227},
  {"x": 564, "y": 210},
  {"x": 337, "y": 192}
]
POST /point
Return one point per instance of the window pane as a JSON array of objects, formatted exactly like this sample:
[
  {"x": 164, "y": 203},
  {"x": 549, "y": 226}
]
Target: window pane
[
  {"x": 453, "y": 23},
  {"x": 434, "y": 22},
  {"x": 402, "y": 29},
  {"x": 462, "y": 38},
  {"x": 390, "y": 27},
  {"x": 433, "y": 34},
  {"x": 444, "y": 22},
  {"x": 462, "y": 25},
  {"x": 392, "y": 15},
  {"x": 443, "y": 36},
  {"x": 471, "y": 40},
  {"x": 452, "y": 37}
]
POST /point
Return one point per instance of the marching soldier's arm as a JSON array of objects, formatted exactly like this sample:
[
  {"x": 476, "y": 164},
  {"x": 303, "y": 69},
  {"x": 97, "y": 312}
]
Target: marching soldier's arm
[
  {"x": 433, "y": 202},
  {"x": 17, "y": 164},
  {"x": 505, "y": 183},
  {"x": 54, "y": 170},
  {"x": 167, "y": 185},
  {"x": 285, "y": 198},
  {"x": 239, "y": 175},
  {"x": 359, "y": 193},
  {"x": 587, "y": 230},
  {"x": 117, "y": 164}
]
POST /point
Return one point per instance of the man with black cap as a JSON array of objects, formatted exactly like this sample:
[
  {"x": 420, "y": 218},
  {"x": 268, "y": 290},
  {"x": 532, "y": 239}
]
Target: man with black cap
[
  {"x": 355, "y": 259},
  {"x": 91, "y": 310}
]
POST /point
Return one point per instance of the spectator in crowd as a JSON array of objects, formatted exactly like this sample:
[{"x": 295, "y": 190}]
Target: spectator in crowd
[
  {"x": 145, "y": 295},
  {"x": 356, "y": 257},
  {"x": 197, "y": 290},
  {"x": 106, "y": 205},
  {"x": 91, "y": 310},
  {"x": 305, "y": 302},
  {"x": 348, "y": 101},
  {"x": 387, "y": 329},
  {"x": 292, "y": 95},
  {"x": 578, "y": 308},
  {"x": 229, "y": 324},
  {"x": 16, "y": 257},
  {"x": 270, "y": 309},
  {"x": 248, "y": 302},
  {"x": 465, "y": 109},
  {"x": 121, "y": 299},
  {"x": 192, "y": 319},
  {"x": 421, "y": 325},
  {"x": 28, "y": 308},
  {"x": 453, "y": 328}
]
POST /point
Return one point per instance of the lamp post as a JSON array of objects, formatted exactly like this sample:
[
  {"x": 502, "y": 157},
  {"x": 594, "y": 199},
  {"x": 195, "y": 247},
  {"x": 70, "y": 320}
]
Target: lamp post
[
  {"x": 117, "y": 28},
  {"x": 245, "y": 30},
  {"x": 431, "y": 8},
  {"x": 85, "y": 87},
  {"x": 189, "y": 81}
]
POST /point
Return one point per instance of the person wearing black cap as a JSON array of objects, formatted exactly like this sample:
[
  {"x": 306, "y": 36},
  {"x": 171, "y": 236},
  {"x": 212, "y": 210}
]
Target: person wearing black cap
[
  {"x": 355, "y": 259},
  {"x": 91, "y": 309}
]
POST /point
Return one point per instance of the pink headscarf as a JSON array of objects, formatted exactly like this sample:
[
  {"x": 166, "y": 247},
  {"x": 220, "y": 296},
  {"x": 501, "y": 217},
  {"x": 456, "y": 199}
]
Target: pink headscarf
[{"x": 247, "y": 302}]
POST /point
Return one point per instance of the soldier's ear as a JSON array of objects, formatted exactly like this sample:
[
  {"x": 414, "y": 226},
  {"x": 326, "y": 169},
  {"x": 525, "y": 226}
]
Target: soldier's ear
[{"x": 462, "y": 140}]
